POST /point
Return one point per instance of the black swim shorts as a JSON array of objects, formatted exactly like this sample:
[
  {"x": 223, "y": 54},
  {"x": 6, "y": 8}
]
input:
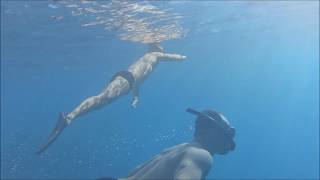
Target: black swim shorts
[{"x": 126, "y": 75}]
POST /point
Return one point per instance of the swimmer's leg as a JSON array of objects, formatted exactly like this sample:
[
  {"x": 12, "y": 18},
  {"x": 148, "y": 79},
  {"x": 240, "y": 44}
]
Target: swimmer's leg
[
  {"x": 118, "y": 87},
  {"x": 90, "y": 104}
]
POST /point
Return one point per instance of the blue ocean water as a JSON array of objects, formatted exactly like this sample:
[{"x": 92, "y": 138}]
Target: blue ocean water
[{"x": 256, "y": 62}]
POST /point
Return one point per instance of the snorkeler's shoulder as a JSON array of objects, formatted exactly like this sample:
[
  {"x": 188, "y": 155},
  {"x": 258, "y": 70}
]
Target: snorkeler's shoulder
[{"x": 199, "y": 156}]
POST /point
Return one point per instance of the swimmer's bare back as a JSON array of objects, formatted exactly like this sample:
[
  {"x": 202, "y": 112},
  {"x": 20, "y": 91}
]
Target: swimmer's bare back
[
  {"x": 118, "y": 87},
  {"x": 184, "y": 161}
]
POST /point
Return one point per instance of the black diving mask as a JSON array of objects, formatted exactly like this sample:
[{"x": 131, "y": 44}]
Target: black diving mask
[{"x": 225, "y": 128}]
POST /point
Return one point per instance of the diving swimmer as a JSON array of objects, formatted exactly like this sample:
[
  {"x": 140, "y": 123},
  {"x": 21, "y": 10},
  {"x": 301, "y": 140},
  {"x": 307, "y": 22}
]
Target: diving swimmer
[
  {"x": 121, "y": 84},
  {"x": 213, "y": 135}
]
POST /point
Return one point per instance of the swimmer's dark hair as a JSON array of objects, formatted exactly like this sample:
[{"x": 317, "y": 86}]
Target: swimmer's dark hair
[{"x": 155, "y": 47}]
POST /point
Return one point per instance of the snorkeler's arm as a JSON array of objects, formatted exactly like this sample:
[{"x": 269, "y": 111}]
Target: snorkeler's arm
[
  {"x": 194, "y": 166},
  {"x": 135, "y": 94},
  {"x": 169, "y": 57}
]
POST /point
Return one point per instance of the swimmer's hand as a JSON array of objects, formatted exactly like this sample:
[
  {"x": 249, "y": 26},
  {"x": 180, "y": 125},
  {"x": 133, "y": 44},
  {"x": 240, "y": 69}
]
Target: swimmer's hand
[
  {"x": 182, "y": 57},
  {"x": 135, "y": 102}
]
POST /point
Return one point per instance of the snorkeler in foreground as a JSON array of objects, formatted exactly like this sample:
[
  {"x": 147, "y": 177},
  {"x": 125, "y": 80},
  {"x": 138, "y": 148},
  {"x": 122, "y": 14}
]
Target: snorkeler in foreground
[
  {"x": 121, "y": 84},
  {"x": 213, "y": 135}
]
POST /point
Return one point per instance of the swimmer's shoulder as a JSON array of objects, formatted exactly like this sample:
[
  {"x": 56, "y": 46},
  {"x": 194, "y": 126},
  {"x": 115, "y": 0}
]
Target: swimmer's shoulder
[
  {"x": 198, "y": 156},
  {"x": 154, "y": 54}
]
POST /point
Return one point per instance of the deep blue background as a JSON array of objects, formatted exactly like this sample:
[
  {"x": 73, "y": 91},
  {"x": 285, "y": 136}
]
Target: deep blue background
[{"x": 256, "y": 62}]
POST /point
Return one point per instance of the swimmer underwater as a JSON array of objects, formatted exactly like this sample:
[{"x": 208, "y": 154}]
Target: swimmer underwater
[
  {"x": 121, "y": 84},
  {"x": 189, "y": 161}
]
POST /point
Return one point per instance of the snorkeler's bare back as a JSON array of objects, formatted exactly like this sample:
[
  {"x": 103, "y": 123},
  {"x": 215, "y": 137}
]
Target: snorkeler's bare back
[
  {"x": 170, "y": 163},
  {"x": 143, "y": 67}
]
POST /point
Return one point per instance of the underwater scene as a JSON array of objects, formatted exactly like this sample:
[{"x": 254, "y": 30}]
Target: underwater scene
[{"x": 133, "y": 90}]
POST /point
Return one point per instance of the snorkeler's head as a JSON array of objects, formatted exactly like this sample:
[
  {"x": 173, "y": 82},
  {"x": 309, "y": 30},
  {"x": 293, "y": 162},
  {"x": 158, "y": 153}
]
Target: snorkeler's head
[
  {"x": 213, "y": 131},
  {"x": 155, "y": 47}
]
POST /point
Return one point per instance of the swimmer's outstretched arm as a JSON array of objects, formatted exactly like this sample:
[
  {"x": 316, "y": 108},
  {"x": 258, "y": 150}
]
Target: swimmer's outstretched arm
[{"x": 170, "y": 57}]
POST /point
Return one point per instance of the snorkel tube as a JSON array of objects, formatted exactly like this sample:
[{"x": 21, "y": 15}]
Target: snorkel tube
[{"x": 192, "y": 111}]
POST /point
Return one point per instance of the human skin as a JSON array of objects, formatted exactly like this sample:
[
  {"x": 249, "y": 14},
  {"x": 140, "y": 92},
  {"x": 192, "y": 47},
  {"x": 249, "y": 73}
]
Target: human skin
[
  {"x": 118, "y": 87},
  {"x": 181, "y": 162}
]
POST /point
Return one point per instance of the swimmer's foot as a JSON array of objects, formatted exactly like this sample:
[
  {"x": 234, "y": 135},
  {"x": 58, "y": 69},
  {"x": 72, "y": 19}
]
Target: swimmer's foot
[{"x": 61, "y": 124}]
